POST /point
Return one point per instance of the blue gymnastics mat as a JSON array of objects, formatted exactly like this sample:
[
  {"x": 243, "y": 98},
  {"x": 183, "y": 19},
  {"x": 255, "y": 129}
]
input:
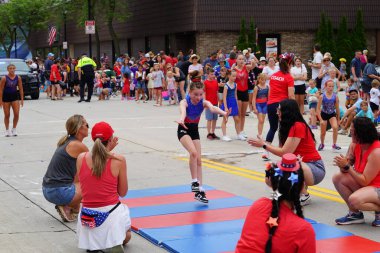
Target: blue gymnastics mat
[
  {"x": 189, "y": 207},
  {"x": 159, "y": 235}
]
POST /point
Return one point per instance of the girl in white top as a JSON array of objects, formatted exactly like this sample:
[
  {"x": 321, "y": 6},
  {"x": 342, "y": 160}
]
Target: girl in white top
[
  {"x": 375, "y": 98},
  {"x": 299, "y": 74},
  {"x": 158, "y": 83},
  {"x": 270, "y": 69},
  {"x": 172, "y": 88},
  {"x": 150, "y": 84}
]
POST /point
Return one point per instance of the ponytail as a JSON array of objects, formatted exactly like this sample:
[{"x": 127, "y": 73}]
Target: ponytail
[
  {"x": 99, "y": 157},
  {"x": 283, "y": 189},
  {"x": 62, "y": 140}
]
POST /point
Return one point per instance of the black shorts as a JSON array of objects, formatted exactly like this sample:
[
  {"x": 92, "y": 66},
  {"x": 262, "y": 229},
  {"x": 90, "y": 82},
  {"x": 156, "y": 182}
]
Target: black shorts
[
  {"x": 11, "y": 97},
  {"x": 327, "y": 117},
  {"x": 243, "y": 96},
  {"x": 300, "y": 89},
  {"x": 54, "y": 82},
  {"x": 192, "y": 131},
  {"x": 374, "y": 107}
]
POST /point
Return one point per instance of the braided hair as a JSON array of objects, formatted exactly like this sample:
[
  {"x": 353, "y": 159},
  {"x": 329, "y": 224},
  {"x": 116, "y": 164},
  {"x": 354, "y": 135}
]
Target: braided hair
[{"x": 284, "y": 189}]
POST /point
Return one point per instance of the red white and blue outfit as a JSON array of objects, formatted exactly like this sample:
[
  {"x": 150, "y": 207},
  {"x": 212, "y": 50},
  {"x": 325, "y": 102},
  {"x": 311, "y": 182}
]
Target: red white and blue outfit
[{"x": 193, "y": 115}]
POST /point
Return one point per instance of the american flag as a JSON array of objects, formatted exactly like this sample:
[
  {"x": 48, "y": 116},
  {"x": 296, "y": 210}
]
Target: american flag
[{"x": 52, "y": 34}]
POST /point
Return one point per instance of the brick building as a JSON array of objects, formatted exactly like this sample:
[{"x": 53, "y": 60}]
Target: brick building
[{"x": 206, "y": 25}]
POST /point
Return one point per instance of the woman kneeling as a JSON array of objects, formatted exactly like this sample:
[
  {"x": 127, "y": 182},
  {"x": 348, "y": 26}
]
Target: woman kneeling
[{"x": 103, "y": 222}]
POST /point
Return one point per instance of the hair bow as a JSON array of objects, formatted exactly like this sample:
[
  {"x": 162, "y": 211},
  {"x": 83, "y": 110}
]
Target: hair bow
[
  {"x": 276, "y": 194},
  {"x": 293, "y": 178},
  {"x": 278, "y": 172}
]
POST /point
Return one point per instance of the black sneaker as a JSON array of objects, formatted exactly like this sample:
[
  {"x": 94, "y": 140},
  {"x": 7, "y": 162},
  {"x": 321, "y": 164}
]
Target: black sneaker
[
  {"x": 80, "y": 100},
  {"x": 195, "y": 187},
  {"x": 201, "y": 196},
  {"x": 215, "y": 137}
]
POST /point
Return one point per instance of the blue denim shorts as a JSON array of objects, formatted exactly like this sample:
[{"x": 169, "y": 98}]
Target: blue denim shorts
[
  {"x": 59, "y": 195},
  {"x": 210, "y": 115}
]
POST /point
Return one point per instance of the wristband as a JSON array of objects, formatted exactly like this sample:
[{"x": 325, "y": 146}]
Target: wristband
[
  {"x": 347, "y": 167},
  {"x": 264, "y": 146}
]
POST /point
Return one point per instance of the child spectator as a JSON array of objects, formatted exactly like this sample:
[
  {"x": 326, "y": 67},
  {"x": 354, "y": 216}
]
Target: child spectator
[
  {"x": 211, "y": 94},
  {"x": 125, "y": 92},
  {"x": 312, "y": 99},
  {"x": 140, "y": 84},
  {"x": 222, "y": 80},
  {"x": 260, "y": 99},
  {"x": 159, "y": 83},
  {"x": 332, "y": 74},
  {"x": 365, "y": 112},
  {"x": 375, "y": 97},
  {"x": 150, "y": 84},
  {"x": 349, "y": 87},
  {"x": 230, "y": 104},
  {"x": 328, "y": 110},
  {"x": 172, "y": 88},
  {"x": 343, "y": 69}
]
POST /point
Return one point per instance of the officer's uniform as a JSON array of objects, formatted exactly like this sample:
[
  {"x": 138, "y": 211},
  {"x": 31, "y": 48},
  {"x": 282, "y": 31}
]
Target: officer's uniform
[{"x": 87, "y": 66}]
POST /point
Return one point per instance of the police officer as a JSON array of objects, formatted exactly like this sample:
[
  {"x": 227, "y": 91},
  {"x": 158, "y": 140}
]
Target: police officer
[{"x": 86, "y": 74}]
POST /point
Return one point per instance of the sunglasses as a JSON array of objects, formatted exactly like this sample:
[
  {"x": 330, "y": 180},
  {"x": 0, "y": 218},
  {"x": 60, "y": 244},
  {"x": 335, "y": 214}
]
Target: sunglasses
[{"x": 326, "y": 60}]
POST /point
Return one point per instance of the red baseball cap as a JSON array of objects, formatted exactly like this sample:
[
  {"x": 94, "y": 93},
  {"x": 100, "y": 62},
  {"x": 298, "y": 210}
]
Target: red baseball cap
[{"x": 102, "y": 130}]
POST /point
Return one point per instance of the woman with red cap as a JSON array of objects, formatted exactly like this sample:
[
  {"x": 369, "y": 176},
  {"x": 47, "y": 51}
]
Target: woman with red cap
[
  {"x": 280, "y": 217},
  {"x": 103, "y": 222}
]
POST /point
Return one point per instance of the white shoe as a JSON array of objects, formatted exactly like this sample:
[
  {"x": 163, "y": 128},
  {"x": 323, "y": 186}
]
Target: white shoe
[
  {"x": 14, "y": 132},
  {"x": 342, "y": 131},
  {"x": 244, "y": 134},
  {"x": 305, "y": 199},
  {"x": 226, "y": 138},
  {"x": 8, "y": 133},
  {"x": 241, "y": 137}
]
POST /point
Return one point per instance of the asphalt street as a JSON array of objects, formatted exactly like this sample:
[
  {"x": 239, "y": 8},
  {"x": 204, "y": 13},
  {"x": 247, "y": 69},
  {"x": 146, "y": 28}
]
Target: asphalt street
[{"x": 155, "y": 158}]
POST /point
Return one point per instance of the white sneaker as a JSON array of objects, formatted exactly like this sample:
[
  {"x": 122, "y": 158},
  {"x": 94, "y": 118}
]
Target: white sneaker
[
  {"x": 8, "y": 133},
  {"x": 305, "y": 199},
  {"x": 226, "y": 138},
  {"x": 241, "y": 137},
  {"x": 14, "y": 132},
  {"x": 244, "y": 134},
  {"x": 342, "y": 131}
]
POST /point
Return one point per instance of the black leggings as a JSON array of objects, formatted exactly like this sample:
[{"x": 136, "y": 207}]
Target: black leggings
[{"x": 273, "y": 121}]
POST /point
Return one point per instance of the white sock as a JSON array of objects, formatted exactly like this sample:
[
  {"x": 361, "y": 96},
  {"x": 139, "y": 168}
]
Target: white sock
[{"x": 194, "y": 180}]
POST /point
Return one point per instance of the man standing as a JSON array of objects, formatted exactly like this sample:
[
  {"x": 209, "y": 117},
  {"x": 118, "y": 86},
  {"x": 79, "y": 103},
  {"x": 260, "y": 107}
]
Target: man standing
[
  {"x": 48, "y": 63},
  {"x": 86, "y": 75},
  {"x": 356, "y": 70},
  {"x": 316, "y": 64}
]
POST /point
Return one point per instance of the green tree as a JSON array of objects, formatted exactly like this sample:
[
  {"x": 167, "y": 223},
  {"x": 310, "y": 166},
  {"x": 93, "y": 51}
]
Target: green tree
[
  {"x": 252, "y": 36},
  {"x": 329, "y": 41},
  {"x": 343, "y": 41},
  {"x": 242, "y": 40},
  {"x": 6, "y": 29},
  {"x": 322, "y": 31},
  {"x": 358, "y": 34},
  {"x": 29, "y": 16}
]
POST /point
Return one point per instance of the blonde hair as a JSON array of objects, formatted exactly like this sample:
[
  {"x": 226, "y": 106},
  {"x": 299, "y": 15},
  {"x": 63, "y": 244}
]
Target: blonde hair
[
  {"x": 312, "y": 81},
  {"x": 100, "y": 156},
  {"x": 261, "y": 77},
  {"x": 73, "y": 124},
  {"x": 169, "y": 72},
  {"x": 375, "y": 83},
  {"x": 363, "y": 103}
]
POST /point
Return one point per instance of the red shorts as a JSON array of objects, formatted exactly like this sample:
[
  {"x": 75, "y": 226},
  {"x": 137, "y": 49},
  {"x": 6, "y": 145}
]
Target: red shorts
[{"x": 158, "y": 88}]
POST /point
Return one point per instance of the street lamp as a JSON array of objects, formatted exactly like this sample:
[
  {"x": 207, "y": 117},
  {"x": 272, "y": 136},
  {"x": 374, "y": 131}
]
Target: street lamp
[
  {"x": 15, "y": 32},
  {"x": 64, "y": 31}
]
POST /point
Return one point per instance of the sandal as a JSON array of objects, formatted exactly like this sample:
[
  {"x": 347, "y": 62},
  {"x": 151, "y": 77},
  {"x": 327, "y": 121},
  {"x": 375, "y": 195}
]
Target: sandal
[{"x": 63, "y": 214}]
